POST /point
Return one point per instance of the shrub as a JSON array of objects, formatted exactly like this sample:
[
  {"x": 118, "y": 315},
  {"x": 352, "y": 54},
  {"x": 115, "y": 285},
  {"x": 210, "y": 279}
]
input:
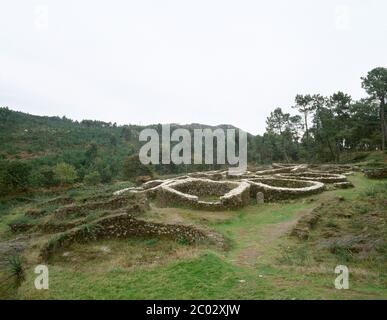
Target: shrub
[
  {"x": 92, "y": 178},
  {"x": 65, "y": 173},
  {"x": 16, "y": 267},
  {"x": 41, "y": 177},
  {"x": 133, "y": 168},
  {"x": 105, "y": 174},
  {"x": 13, "y": 176},
  {"x": 48, "y": 173},
  {"x": 36, "y": 179}
]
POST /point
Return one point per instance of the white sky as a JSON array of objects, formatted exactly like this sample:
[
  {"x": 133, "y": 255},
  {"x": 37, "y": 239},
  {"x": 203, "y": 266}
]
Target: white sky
[{"x": 206, "y": 61}]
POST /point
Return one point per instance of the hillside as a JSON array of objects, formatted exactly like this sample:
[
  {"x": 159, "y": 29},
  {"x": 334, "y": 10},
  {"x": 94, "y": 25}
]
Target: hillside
[
  {"x": 89, "y": 146},
  {"x": 40, "y": 151},
  {"x": 25, "y": 136}
]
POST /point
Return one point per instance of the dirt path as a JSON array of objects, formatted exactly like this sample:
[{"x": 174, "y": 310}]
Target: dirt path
[{"x": 270, "y": 233}]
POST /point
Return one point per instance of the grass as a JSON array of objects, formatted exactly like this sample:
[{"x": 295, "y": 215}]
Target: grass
[
  {"x": 22, "y": 219},
  {"x": 16, "y": 266},
  {"x": 263, "y": 262},
  {"x": 187, "y": 279}
]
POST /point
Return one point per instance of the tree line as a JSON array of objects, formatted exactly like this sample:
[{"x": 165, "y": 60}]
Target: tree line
[
  {"x": 326, "y": 127},
  {"x": 41, "y": 152}
]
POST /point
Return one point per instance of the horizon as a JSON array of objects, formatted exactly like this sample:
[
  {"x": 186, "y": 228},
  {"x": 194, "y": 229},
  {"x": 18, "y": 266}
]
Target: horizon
[{"x": 126, "y": 124}]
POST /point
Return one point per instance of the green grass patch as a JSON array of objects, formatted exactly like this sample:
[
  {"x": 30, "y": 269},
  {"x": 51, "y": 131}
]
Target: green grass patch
[{"x": 277, "y": 266}]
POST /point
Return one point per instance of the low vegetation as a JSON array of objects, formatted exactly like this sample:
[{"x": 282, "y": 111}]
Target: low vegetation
[
  {"x": 264, "y": 258},
  {"x": 74, "y": 196},
  {"x": 45, "y": 152}
]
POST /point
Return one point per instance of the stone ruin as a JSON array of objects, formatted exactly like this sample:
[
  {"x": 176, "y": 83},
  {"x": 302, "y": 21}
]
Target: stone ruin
[
  {"x": 210, "y": 190},
  {"x": 122, "y": 226},
  {"x": 187, "y": 192},
  {"x": 282, "y": 189},
  {"x": 279, "y": 182},
  {"x": 314, "y": 176},
  {"x": 376, "y": 173}
]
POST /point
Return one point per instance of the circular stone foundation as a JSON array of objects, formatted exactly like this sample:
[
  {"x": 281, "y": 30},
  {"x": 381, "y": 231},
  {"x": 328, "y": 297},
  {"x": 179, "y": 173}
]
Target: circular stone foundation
[
  {"x": 204, "y": 194},
  {"x": 283, "y": 189},
  {"x": 314, "y": 176}
]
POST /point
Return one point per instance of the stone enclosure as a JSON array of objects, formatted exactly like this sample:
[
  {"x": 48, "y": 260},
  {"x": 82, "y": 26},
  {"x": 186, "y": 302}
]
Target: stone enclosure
[
  {"x": 190, "y": 191},
  {"x": 209, "y": 191},
  {"x": 217, "y": 190},
  {"x": 123, "y": 225},
  {"x": 283, "y": 189}
]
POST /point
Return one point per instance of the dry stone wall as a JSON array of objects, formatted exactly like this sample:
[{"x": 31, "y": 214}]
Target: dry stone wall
[
  {"x": 131, "y": 202},
  {"x": 314, "y": 176},
  {"x": 376, "y": 173},
  {"x": 187, "y": 192},
  {"x": 121, "y": 226},
  {"x": 294, "y": 188},
  {"x": 282, "y": 181}
]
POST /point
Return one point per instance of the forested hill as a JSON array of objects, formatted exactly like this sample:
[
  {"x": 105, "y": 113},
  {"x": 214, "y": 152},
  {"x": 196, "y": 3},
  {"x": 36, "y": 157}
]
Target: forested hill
[
  {"x": 25, "y": 136},
  {"x": 32, "y": 147},
  {"x": 40, "y": 151}
]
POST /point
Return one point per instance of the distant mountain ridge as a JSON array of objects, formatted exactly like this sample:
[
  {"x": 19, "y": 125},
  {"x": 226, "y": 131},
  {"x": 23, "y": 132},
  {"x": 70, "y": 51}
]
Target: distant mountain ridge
[{"x": 27, "y": 136}]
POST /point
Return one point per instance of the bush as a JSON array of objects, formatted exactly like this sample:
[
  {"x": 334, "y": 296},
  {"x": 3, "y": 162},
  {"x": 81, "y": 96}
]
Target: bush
[
  {"x": 16, "y": 267},
  {"x": 65, "y": 173},
  {"x": 106, "y": 175},
  {"x": 133, "y": 168},
  {"x": 13, "y": 176},
  {"x": 48, "y": 173},
  {"x": 36, "y": 179},
  {"x": 92, "y": 178},
  {"x": 41, "y": 177}
]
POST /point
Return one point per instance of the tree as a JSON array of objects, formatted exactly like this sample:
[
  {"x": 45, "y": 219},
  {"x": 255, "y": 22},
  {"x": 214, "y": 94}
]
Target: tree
[
  {"x": 284, "y": 129},
  {"x": 91, "y": 153},
  {"x": 324, "y": 131},
  {"x": 365, "y": 128},
  {"x": 126, "y": 133},
  {"x": 277, "y": 121},
  {"x": 317, "y": 104},
  {"x": 294, "y": 125},
  {"x": 375, "y": 84},
  {"x": 102, "y": 167},
  {"x": 65, "y": 173},
  {"x": 339, "y": 103},
  {"x": 113, "y": 140},
  {"x": 304, "y": 106}
]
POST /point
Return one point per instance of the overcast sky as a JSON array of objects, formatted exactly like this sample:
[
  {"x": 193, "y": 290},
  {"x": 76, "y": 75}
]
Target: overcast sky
[{"x": 210, "y": 61}]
